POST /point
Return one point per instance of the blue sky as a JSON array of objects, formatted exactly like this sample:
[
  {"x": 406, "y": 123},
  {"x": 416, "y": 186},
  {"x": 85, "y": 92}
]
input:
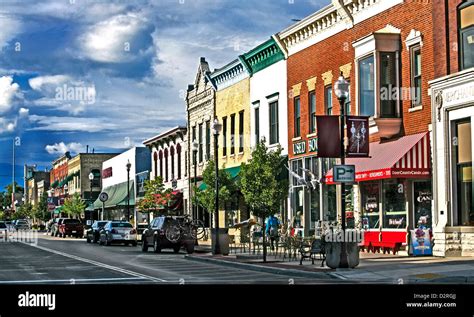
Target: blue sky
[{"x": 110, "y": 74}]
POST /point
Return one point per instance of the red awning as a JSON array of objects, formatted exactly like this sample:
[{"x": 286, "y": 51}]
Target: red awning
[{"x": 406, "y": 157}]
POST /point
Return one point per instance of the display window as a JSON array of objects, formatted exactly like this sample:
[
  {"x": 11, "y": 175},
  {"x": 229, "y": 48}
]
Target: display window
[
  {"x": 370, "y": 195},
  {"x": 394, "y": 203}
]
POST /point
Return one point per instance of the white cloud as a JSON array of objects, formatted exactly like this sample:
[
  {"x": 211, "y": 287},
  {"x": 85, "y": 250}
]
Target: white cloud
[
  {"x": 61, "y": 148},
  {"x": 10, "y": 28},
  {"x": 24, "y": 112},
  {"x": 81, "y": 124},
  {"x": 37, "y": 83},
  {"x": 7, "y": 125},
  {"x": 8, "y": 91},
  {"x": 111, "y": 41}
]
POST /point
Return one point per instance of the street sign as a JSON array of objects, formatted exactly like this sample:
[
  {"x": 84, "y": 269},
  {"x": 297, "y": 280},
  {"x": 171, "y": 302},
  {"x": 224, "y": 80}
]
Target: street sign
[
  {"x": 344, "y": 173},
  {"x": 103, "y": 197}
]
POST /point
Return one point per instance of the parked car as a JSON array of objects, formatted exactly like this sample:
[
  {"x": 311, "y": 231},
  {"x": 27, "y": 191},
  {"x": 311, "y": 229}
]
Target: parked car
[
  {"x": 155, "y": 235},
  {"x": 118, "y": 231},
  {"x": 93, "y": 234},
  {"x": 71, "y": 227},
  {"x": 22, "y": 224},
  {"x": 4, "y": 232},
  {"x": 55, "y": 226}
]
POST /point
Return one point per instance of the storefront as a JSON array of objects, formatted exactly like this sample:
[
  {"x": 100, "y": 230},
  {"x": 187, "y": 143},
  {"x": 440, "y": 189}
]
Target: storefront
[
  {"x": 452, "y": 116},
  {"x": 392, "y": 193}
]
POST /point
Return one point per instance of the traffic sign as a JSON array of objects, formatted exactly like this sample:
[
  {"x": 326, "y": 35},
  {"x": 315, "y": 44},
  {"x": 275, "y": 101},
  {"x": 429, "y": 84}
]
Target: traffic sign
[
  {"x": 344, "y": 173},
  {"x": 103, "y": 197}
]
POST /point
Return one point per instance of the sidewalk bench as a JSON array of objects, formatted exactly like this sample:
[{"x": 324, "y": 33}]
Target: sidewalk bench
[
  {"x": 309, "y": 251},
  {"x": 387, "y": 241}
]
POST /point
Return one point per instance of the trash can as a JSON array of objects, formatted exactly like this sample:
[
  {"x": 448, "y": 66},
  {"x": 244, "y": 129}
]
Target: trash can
[{"x": 223, "y": 240}]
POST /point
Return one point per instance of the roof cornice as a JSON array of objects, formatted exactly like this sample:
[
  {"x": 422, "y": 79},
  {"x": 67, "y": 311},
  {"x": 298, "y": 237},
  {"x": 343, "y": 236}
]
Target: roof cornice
[
  {"x": 262, "y": 56},
  {"x": 179, "y": 130},
  {"x": 229, "y": 74}
]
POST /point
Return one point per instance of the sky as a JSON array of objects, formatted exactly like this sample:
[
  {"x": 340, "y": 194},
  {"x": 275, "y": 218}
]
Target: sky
[{"x": 112, "y": 73}]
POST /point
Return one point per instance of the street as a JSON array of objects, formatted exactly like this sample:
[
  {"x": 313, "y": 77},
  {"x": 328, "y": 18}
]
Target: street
[{"x": 73, "y": 261}]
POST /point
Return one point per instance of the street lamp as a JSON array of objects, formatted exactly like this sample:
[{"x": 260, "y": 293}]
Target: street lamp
[
  {"x": 129, "y": 165},
  {"x": 195, "y": 147},
  {"x": 341, "y": 89},
  {"x": 216, "y": 129},
  {"x": 91, "y": 178}
]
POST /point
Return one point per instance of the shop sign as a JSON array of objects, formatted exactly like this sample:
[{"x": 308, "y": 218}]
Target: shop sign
[
  {"x": 299, "y": 148},
  {"x": 313, "y": 145},
  {"x": 358, "y": 135},
  {"x": 344, "y": 173},
  {"x": 421, "y": 242},
  {"x": 107, "y": 172}
]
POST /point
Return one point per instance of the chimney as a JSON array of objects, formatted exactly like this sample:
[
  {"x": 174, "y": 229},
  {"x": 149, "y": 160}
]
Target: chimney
[
  {"x": 87, "y": 148},
  {"x": 93, "y": 150}
]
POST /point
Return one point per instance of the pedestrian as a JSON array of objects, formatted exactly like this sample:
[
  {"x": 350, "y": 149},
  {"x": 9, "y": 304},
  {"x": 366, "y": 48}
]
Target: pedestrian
[{"x": 272, "y": 226}]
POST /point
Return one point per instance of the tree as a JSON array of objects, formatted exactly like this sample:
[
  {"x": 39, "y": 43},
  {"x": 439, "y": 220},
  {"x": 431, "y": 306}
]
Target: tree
[
  {"x": 207, "y": 197},
  {"x": 24, "y": 211},
  {"x": 40, "y": 210},
  {"x": 7, "y": 196},
  {"x": 260, "y": 186},
  {"x": 74, "y": 206},
  {"x": 156, "y": 196}
]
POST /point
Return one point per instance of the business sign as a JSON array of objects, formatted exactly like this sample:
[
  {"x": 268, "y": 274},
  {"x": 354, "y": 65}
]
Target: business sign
[
  {"x": 344, "y": 173},
  {"x": 299, "y": 148},
  {"x": 51, "y": 206},
  {"x": 106, "y": 173},
  {"x": 421, "y": 242},
  {"x": 313, "y": 145},
  {"x": 328, "y": 141},
  {"x": 358, "y": 136}
]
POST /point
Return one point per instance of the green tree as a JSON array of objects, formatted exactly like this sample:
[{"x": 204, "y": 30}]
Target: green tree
[
  {"x": 7, "y": 196},
  {"x": 74, "y": 206},
  {"x": 207, "y": 197},
  {"x": 40, "y": 210},
  {"x": 260, "y": 186},
  {"x": 156, "y": 196},
  {"x": 23, "y": 211}
]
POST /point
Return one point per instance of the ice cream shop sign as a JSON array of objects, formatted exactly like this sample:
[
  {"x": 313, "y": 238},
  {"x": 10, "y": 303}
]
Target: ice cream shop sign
[{"x": 300, "y": 147}]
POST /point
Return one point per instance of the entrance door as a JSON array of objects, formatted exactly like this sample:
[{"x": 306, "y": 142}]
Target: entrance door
[{"x": 422, "y": 195}]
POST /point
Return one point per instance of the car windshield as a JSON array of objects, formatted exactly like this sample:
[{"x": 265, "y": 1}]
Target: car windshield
[
  {"x": 22, "y": 222},
  {"x": 71, "y": 221},
  {"x": 121, "y": 225},
  {"x": 2, "y": 225},
  {"x": 101, "y": 224}
]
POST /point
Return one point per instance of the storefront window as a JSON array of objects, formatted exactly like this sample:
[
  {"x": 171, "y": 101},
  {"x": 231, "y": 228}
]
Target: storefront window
[
  {"x": 422, "y": 203},
  {"x": 330, "y": 203},
  {"x": 314, "y": 207},
  {"x": 464, "y": 173},
  {"x": 349, "y": 199},
  {"x": 298, "y": 200},
  {"x": 394, "y": 203},
  {"x": 366, "y": 86},
  {"x": 370, "y": 194}
]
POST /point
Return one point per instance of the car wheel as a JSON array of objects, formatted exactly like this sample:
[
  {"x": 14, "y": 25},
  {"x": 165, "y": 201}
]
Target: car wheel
[
  {"x": 190, "y": 248},
  {"x": 176, "y": 248},
  {"x": 107, "y": 242},
  {"x": 134, "y": 243},
  {"x": 100, "y": 241},
  {"x": 95, "y": 240},
  {"x": 144, "y": 246},
  {"x": 88, "y": 240},
  {"x": 156, "y": 246}
]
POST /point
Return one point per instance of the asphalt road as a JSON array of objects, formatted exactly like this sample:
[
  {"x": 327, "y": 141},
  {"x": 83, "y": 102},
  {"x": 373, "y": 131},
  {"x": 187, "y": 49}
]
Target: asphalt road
[{"x": 73, "y": 261}]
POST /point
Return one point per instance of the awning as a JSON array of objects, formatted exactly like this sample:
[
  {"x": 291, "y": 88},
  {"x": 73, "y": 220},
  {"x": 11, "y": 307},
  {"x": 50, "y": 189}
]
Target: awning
[
  {"x": 406, "y": 157},
  {"x": 117, "y": 195},
  {"x": 232, "y": 171},
  {"x": 58, "y": 210}
]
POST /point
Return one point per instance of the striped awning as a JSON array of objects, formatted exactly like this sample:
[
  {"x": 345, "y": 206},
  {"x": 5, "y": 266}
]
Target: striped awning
[{"x": 406, "y": 157}]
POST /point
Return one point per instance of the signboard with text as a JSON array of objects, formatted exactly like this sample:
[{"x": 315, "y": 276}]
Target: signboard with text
[
  {"x": 299, "y": 148},
  {"x": 344, "y": 173}
]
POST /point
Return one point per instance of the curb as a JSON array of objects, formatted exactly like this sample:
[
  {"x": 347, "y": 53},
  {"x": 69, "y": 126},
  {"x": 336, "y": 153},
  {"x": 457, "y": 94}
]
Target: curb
[{"x": 261, "y": 268}]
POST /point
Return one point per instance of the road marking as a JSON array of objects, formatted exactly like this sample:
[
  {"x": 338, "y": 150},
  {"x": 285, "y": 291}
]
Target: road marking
[
  {"x": 339, "y": 276},
  {"x": 112, "y": 279},
  {"x": 103, "y": 265}
]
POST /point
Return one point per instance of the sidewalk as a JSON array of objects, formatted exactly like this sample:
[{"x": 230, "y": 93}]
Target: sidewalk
[{"x": 373, "y": 268}]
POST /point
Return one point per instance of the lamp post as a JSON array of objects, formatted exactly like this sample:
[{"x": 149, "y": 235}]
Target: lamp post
[
  {"x": 341, "y": 89},
  {"x": 129, "y": 165},
  {"x": 216, "y": 129},
  {"x": 91, "y": 178},
  {"x": 195, "y": 147}
]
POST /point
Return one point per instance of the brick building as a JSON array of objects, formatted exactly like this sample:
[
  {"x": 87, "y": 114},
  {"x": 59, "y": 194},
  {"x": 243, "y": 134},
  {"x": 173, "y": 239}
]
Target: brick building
[{"x": 377, "y": 54}]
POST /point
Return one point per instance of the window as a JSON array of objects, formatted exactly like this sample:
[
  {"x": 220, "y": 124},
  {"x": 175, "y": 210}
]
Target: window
[
  {"x": 312, "y": 112},
  {"x": 166, "y": 165},
  {"x": 200, "y": 142},
  {"x": 347, "y": 103},
  {"x": 208, "y": 140},
  {"x": 160, "y": 155},
  {"x": 297, "y": 111},
  {"x": 466, "y": 34},
  {"x": 370, "y": 194},
  {"x": 257, "y": 125},
  {"x": 224, "y": 136},
  {"x": 415, "y": 56},
  {"x": 366, "y": 86},
  {"x": 297, "y": 167},
  {"x": 241, "y": 132},
  {"x": 388, "y": 83},
  {"x": 178, "y": 154},
  {"x": 232, "y": 134},
  {"x": 155, "y": 163},
  {"x": 274, "y": 122},
  {"x": 172, "y": 161},
  {"x": 328, "y": 99},
  {"x": 394, "y": 203},
  {"x": 463, "y": 172},
  {"x": 330, "y": 203},
  {"x": 193, "y": 134}
]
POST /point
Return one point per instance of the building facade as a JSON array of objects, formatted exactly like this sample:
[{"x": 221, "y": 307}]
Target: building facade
[
  {"x": 381, "y": 58},
  {"x": 200, "y": 109},
  {"x": 452, "y": 97},
  {"x": 37, "y": 183},
  {"x": 58, "y": 178},
  {"x": 168, "y": 161}
]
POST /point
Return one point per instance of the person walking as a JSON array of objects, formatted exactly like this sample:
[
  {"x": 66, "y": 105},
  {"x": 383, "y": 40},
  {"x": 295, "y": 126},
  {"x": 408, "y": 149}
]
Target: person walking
[{"x": 271, "y": 229}]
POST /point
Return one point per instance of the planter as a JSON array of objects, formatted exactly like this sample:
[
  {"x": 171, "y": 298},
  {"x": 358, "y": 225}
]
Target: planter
[
  {"x": 333, "y": 254},
  {"x": 223, "y": 240}
]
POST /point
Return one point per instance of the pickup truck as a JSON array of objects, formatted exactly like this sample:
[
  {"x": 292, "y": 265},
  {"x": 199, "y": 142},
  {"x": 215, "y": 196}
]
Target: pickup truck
[{"x": 71, "y": 227}]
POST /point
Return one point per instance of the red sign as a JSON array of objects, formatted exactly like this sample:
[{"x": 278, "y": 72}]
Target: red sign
[
  {"x": 329, "y": 141},
  {"x": 358, "y": 135},
  {"x": 107, "y": 172},
  {"x": 385, "y": 173}
]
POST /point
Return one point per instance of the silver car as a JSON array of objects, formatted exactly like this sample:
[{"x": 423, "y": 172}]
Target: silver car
[
  {"x": 118, "y": 231},
  {"x": 22, "y": 224}
]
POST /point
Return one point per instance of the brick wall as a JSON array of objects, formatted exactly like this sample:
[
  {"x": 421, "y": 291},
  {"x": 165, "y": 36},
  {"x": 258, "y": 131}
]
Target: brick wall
[{"x": 336, "y": 51}]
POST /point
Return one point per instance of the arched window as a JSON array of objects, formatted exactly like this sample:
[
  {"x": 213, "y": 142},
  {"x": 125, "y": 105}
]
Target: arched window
[
  {"x": 160, "y": 155},
  {"x": 178, "y": 152},
  {"x": 166, "y": 165},
  {"x": 155, "y": 163},
  {"x": 172, "y": 161}
]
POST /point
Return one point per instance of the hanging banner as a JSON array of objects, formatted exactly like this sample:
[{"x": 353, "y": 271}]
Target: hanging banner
[
  {"x": 358, "y": 136},
  {"x": 329, "y": 142}
]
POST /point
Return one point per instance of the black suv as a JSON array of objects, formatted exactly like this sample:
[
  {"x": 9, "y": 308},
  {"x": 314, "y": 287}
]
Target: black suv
[{"x": 155, "y": 235}]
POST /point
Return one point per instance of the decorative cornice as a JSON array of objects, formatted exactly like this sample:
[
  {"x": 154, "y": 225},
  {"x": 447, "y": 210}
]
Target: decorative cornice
[
  {"x": 311, "y": 83},
  {"x": 229, "y": 74},
  {"x": 414, "y": 37},
  {"x": 296, "y": 90},
  {"x": 173, "y": 133},
  {"x": 263, "y": 56},
  {"x": 346, "y": 70},
  {"x": 327, "y": 77}
]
